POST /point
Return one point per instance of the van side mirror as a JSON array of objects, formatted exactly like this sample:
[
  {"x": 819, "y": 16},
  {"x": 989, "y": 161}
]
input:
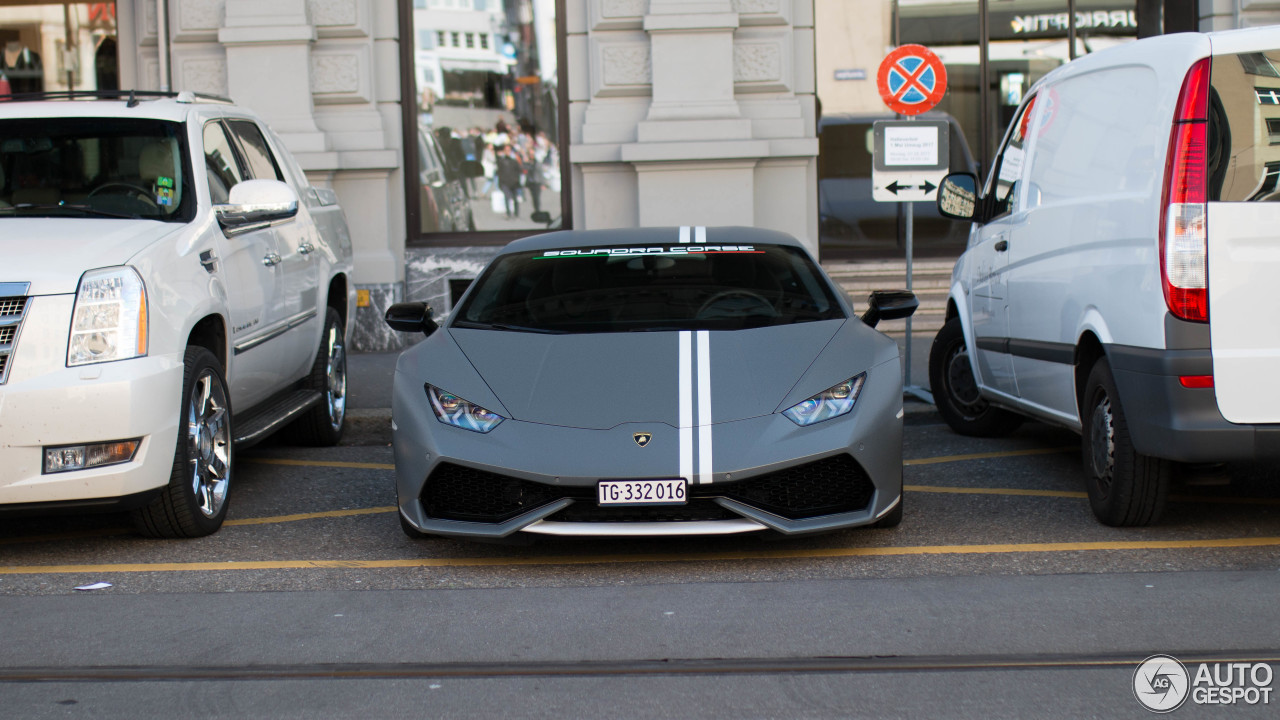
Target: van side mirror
[
  {"x": 958, "y": 196},
  {"x": 411, "y": 317},
  {"x": 889, "y": 305}
]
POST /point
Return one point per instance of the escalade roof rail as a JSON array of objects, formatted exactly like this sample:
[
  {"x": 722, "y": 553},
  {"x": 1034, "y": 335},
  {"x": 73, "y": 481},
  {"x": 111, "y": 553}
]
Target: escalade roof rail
[{"x": 133, "y": 96}]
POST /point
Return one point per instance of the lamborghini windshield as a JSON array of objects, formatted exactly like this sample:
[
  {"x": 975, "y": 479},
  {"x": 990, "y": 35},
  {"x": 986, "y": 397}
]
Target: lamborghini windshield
[
  {"x": 94, "y": 167},
  {"x": 644, "y": 288}
]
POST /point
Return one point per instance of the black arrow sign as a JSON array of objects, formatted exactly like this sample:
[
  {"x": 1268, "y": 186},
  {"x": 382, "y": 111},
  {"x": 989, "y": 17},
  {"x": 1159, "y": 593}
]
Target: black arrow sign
[{"x": 894, "y": 187}]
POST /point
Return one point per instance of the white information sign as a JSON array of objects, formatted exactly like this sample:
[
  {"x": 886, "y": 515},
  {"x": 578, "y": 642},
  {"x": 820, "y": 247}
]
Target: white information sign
[
  {"x": 914, "y": 145},
  {"x": 909, "y": 159}
]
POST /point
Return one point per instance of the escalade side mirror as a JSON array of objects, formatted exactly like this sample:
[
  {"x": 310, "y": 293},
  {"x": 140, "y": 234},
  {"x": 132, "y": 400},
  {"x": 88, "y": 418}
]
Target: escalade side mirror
[
  {"x": 958, "y": 196},
  {"x": 255, "y": 204},
  {"x": 411, "y": 317},
  {"x": 889, "y": 305}
]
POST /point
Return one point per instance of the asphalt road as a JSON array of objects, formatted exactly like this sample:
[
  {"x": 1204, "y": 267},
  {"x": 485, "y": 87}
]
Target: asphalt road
[{"x": 998, "y": 596}]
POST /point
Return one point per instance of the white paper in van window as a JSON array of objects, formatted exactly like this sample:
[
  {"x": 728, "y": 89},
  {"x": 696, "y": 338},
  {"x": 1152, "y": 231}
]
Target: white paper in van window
[
  {"x": 908, "y": 146},
  {"x": 1011, "y": 167}
]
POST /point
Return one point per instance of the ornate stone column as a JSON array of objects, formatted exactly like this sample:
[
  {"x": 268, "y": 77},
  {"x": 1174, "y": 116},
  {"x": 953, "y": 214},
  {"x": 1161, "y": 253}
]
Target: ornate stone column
[
  {"x": 694, "y": 112},
  {"x": 268, "y": 46}
]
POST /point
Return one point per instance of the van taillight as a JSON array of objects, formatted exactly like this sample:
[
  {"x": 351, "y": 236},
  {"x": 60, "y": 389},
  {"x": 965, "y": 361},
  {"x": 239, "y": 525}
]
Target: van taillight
[{"x": 1184, "y": 221}]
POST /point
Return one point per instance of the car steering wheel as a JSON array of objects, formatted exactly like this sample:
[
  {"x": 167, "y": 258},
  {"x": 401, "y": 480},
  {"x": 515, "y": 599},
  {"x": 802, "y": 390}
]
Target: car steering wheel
[
  {"x": 128, "y": 189},
  {"x": 757, "y": 304}
]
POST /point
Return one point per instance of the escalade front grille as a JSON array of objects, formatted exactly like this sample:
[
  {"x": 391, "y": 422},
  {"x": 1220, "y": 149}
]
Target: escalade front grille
[{"x": 12, "y": 310}]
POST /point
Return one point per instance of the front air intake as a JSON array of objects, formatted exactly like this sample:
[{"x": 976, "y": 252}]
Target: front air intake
[{"x": 12, "y": 310}]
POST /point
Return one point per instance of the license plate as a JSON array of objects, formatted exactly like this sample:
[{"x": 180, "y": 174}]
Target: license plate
[{"x": 643, "y": 492}]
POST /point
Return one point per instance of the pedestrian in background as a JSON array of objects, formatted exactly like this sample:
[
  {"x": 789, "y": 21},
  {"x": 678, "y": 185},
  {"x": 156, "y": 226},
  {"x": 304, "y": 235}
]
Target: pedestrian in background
[{"x": 510, "y": 175}]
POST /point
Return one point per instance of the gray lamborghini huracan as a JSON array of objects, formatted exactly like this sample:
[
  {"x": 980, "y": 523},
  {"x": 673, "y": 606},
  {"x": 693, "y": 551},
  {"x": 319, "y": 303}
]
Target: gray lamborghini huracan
[{"x": 657, "y": 381}]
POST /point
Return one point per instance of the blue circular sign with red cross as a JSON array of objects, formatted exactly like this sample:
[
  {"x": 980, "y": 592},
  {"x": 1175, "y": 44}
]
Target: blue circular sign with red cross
[{"x": 911, "y": 80}]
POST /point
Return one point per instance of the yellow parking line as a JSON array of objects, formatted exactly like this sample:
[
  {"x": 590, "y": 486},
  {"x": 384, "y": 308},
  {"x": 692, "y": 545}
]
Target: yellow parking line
[
  {"x": 311, "y": 516},
  {"x": 810, "y": 554},
  {"x": 989, "y": 455},
  {"x": 319, "y": 463}
]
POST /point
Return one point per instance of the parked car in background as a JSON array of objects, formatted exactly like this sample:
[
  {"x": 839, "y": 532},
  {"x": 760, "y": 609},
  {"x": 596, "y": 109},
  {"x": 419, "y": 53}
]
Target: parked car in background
[
  {"x": 171, "y": 289},
  {"x": 1121, "y": 276},
  {"x": 655, "y": 381},
  {"x": 444, "y": 198},
  {"x": 850, "y": 222}
]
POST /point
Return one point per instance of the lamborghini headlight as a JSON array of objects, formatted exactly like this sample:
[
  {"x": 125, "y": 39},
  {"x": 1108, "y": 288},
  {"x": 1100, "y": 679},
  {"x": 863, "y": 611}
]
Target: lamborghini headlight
[
  {"x": 833, "y": 402},
  {"x": 453, "y": 410},
  {"x": 109, "y": 321}
]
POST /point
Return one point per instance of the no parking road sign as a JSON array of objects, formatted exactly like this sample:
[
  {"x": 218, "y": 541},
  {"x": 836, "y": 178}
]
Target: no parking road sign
[{"x": 911, "y": 80}]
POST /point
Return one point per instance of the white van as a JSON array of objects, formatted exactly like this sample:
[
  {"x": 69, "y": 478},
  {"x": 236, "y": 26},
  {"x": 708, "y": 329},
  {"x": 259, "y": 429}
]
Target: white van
[{"x": 1122, "y": 273}]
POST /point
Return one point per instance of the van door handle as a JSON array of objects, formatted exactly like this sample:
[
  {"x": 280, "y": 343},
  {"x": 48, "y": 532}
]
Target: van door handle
[
  {"x": 1002, "y": 245},
  {"x": 306, "y": 248},
  {"x": 271, "y": 259}
]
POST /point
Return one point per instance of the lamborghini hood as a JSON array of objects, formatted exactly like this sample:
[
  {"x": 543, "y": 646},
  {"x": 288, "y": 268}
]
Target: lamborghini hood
[{"x": 599, "y": 381}]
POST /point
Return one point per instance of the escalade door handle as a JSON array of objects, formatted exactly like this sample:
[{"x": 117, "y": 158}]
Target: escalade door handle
[
  {"x": 1002, "y": 243},
  {"x": 271, "y": 259},
  {"x": 306, "y": 248}
]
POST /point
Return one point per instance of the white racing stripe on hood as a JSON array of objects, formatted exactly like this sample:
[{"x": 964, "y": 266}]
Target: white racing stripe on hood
[
  {"x": 684, "y": 234},
  {"x": 704, "y": 406},
  {"x": 686, "y": 405},
  {"x": 695, "y": 353},
  {"x": 700, "y": 235}
]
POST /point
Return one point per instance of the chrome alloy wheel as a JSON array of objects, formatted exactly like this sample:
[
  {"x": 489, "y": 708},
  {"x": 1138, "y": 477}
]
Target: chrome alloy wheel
[
  {"x": 209, "y": 443},
  {"x": 335, "y": 377}
]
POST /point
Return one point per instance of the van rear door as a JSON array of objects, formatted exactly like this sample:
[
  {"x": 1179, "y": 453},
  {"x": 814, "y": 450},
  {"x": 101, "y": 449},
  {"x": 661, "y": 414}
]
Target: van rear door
[{"x": 1243, "y": 232}]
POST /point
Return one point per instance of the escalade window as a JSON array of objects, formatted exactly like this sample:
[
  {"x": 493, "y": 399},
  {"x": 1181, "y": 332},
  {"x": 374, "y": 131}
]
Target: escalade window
[
  {"x": 94, "y": 167},
  {"x": 1244, "y": 127},
  {"x": 644, "y": 288},
  {"x": 220, "y": 163},
  {"x": 257, "y": 155}
]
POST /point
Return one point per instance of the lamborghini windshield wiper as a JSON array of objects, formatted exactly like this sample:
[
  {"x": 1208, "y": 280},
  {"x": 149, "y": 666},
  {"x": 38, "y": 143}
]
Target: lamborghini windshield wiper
[{"x": 473, "y": 325}]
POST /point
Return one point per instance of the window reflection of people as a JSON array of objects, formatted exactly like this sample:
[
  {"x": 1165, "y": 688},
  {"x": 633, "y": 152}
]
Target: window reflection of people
[
  {"x": 510, "y": 172},
  {"x": 22, "y": 66},
  {"x": 535, "y": 180}
]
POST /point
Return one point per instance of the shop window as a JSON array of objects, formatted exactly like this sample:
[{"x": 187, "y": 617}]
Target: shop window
[
  {"x": 57, "y": 47},
  {"x": 484, "y": 114}
]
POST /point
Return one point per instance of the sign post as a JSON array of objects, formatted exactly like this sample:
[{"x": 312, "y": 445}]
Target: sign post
[{"x": 911, "y": 157}]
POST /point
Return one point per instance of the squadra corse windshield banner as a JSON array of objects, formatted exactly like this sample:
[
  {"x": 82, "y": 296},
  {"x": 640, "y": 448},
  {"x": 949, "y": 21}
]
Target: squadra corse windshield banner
[{"x": 668, "y": 250}]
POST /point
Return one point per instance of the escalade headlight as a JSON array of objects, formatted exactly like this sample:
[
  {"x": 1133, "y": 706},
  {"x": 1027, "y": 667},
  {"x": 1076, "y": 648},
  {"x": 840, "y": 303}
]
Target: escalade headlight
[
  {"x": 109, "y": 321},
  {"x": 833, "y": 402},
  {"x": 453, "y": 410}
]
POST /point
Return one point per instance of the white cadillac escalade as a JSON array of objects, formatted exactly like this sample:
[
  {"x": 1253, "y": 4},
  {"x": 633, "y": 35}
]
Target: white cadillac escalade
[{"x": 171, "y": 288}]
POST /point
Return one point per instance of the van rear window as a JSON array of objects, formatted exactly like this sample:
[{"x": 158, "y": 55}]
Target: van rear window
[{"x": 1244, "y": 127}]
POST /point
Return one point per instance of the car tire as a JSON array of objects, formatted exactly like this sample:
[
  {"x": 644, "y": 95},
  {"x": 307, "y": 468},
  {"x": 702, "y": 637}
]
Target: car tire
[
  {"x": 894, "y": 518},
  {"x": 955, "y": 390},
  {"x": 194, "y": 503},
  {"x": 1126, "y": 488},
  {"x": 323, "y": 424}
]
